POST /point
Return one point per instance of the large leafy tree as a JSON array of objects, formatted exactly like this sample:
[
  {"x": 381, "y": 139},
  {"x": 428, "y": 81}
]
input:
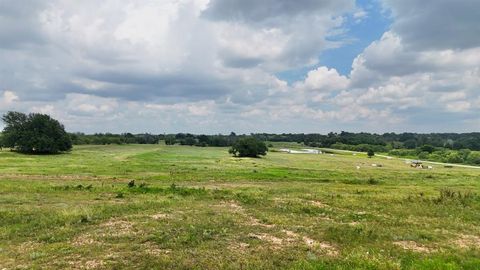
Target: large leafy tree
[
  {"x": 34, "y": 133},
  {"x": 248, "y": 147}
]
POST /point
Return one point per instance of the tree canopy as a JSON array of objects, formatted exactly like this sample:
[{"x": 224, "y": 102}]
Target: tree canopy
[
  {"x": 248, "y": 147},
  {"x": 34, "y": 133}
]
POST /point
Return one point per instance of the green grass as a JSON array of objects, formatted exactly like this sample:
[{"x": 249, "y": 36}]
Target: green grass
[{"x": 199, "y": 208}]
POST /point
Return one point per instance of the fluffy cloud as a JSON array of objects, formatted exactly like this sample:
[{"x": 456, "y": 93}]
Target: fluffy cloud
[
  {"x": 210, "y": 66},
  {"x": 324, "y": 79},
  {"x": 436, "y": 24},
  {"x": 274, "y": 35},
  {"x": 9, "y": 97}
]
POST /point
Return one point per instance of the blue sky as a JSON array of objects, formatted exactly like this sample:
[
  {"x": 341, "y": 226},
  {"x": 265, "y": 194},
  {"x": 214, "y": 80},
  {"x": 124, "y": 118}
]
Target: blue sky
[
  {"x": 359, "y": 33},
  {"x": 215, "y": 66}
]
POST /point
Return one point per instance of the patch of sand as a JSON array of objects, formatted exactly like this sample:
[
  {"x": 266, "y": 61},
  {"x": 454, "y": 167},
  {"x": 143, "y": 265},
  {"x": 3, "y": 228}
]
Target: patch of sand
[
  {"x": 117, "y": 228},
  {"x": 76, "y": 263},
  {"x": 110, "y": 228},
  {"x": 277, "y": 242},
  {"x": 153, "y": 250},
  {"x": 323, "y": 246},
  {"x": 291, "y": 237},
  {"x": 28, "y": 246},
  {"x": 85, "y": 240},
  {"x": 240, "y": 247},
  {"x": 318, "y": 204},
  {"x": 93, "y": 264},
  {"x": 413, "y": 246},
  {"x": 467, "y": 241},
  {"x": 159, "y": 216}
]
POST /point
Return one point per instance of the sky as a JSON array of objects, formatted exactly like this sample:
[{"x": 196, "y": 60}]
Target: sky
[{"x": 216, "y": 66}]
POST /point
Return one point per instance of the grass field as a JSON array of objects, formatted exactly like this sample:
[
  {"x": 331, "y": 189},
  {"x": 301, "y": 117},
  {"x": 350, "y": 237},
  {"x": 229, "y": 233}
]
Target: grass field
[{"x": 199, "y": 208}]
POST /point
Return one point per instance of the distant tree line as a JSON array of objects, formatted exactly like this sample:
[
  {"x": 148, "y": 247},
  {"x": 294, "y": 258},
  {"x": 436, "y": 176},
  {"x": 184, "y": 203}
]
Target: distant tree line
[
  {"x": 343, "y": 140},
  {"x": 109, "y": 138},
  {"x": 389, "y": 141}
]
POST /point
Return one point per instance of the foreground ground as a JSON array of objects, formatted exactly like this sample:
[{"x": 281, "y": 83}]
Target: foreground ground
[{"x": 199, "y": 208}]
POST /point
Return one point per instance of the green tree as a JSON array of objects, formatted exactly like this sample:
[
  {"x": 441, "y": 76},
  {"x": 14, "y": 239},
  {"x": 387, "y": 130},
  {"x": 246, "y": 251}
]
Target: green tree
[
  {"x": 410, "y": 144},
  {"x": 423, "y": 155},
  {"x": 370, "y": 153},
  {"x": 427, "y": 148},
  {"x": 454, "y": 157},
  {"x": 474, "y": 158},
  {"x": 35, "y": 133},
  {"x": 248, "y": 147},
  {"x": 170, "y": 140}
]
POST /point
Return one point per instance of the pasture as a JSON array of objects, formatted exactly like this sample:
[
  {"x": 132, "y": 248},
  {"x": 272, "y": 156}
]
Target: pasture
[{"x": 200, "y": 208}]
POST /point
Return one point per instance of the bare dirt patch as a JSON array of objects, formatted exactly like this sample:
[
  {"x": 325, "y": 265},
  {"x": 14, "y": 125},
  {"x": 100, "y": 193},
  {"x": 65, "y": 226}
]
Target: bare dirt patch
[
  {"x": 319, "y": 204},
  {"x": 275, "y": 241},
  {"x": 256, "y": 222},
  {"x": 413, "y": 246},
  {"x": 118, "y": 228},
  {"x": 76, "y": 263},
  {"x": 240, "y": 247},
  {"x": 233, "y": 206},
  {"x": 159, "y": 216},
  {"x": 85, "y": 240},
  {"x": 467, "y": 241},
  {"x": 311, "y": 243},
  {"x": 153, "y": 250},
  {"x": 28, "y": 246},
  {"x": 110, "y": 228},
  {"x": 251, "y": 220},
  {"x": 94, "y": 264}
]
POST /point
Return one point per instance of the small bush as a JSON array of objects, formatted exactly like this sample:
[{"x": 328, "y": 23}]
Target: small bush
[
  {"x": 131, "y": 184},
  {"x": 373, "y": 181},
  {"x": 84, "y": 219},
  {"x": 449, "y": 195}
]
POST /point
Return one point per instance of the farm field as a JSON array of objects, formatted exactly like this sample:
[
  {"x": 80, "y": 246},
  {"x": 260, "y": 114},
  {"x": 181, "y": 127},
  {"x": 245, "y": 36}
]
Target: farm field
[{"x": 199, "y": 208}]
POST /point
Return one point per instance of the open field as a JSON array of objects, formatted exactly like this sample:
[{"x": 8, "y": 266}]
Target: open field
[
  {"x": 385, "y": 155},
  {"x": 199, "y": 208}
]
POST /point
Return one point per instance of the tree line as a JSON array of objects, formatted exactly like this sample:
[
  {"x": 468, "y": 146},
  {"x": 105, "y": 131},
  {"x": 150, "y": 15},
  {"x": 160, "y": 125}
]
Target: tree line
[
  {"x": 343, "y": 140},
  {"x": 384, "y": 141},
  {"x": 39, "y": 133}
]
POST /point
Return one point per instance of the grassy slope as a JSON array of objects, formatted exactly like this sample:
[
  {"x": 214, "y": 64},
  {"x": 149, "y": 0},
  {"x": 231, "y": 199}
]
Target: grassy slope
[{"x": 281, "y": 211}]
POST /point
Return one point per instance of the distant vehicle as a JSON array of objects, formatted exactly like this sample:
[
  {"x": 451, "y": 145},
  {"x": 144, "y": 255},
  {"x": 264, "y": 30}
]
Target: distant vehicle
[{"x": 416, "y": 164}]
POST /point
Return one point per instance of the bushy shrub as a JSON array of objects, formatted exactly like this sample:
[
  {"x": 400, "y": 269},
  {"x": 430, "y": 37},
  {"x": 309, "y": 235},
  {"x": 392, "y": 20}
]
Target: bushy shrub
[
  {"x": 248, "y": 147},
  {"x": 402, "y": 152},
  {"x": 454, "y": 157},
  {"x": 423, "y": 155},
  {"x": 474, "y": 158}
]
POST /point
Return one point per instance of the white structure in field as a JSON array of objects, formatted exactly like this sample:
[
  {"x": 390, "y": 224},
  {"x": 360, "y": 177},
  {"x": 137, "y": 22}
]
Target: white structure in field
[{"x": 301, "y": 151}]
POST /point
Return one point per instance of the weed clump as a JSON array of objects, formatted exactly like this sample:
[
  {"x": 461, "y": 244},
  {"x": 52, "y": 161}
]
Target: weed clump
[
  {"x": 131, "y": 184},
  {"x": 448, "y": 195},
  {"x": 84, "y": 219},
  {"x": 373, "y": 181},
  {"x": 77, "y": 187}
]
